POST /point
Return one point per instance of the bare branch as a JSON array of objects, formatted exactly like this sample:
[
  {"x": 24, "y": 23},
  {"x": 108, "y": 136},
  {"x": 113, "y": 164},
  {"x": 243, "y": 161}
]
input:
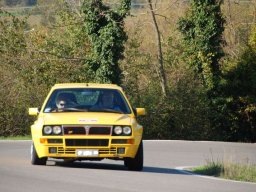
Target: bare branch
[{"x": 160, "y": 68}]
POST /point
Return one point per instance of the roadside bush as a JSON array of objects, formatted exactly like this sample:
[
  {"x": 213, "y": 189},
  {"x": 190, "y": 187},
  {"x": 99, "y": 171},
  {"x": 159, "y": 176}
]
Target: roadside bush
[
  {"x": 32, "y": 60},
  {"x": 240, "y": 93},
  {"x": 183, "y": 114}
]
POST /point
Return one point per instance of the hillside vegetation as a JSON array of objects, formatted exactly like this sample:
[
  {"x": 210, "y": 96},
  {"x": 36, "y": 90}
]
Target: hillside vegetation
[{"x": 49, "y": 44}]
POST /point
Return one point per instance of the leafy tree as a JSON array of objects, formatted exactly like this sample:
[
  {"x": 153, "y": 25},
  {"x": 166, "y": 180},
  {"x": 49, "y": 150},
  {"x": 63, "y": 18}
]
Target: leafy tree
[
  {"x": 202, "y": 28},
  {"x": 32, "y": 60},
  {"x": 61, "y": 49},
  {"x": 239, "y": 90},
  {"x": 105, "y": 28},
  {"x": 13, "y": 49}
]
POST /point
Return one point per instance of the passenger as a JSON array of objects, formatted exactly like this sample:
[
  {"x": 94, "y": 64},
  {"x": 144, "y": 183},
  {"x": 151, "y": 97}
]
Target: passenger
[{"x": 107, "y": 101}]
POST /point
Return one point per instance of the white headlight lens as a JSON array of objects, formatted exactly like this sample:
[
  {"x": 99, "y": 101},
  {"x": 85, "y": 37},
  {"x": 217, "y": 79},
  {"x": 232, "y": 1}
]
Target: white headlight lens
[
  {"x": 56, "y": 130},
  {"x": 127, "y": 130},
  {"x": 47, "y": 130},
  {"x": 118, "y": 130}
]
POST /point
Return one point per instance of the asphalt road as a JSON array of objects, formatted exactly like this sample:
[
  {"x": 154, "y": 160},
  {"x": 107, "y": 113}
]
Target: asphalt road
[{"x": 160, "y": 171}]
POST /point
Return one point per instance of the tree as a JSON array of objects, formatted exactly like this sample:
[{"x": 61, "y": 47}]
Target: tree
[
  {"x": 160, "y": 68},
  {"x": 13, "y": 102},
  {"x": 105, "y": 28},
  {"x": 202, "y": 29},
  {"x": 32, "y": 60},
  {"x": 240, "y": 93}
]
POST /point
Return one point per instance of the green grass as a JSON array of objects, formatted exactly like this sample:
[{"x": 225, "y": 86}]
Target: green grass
[
  {"x": 211, "y": 169},
  {"x": 228, "y": 170},
  {"x": 27, "y": 137}
]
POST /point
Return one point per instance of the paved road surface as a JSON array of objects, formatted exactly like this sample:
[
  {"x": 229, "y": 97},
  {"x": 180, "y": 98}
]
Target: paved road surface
[{"x": 159, "y": 174}]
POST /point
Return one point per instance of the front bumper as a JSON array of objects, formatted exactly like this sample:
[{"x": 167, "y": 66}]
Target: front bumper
[{"x": 106, "y": 147}]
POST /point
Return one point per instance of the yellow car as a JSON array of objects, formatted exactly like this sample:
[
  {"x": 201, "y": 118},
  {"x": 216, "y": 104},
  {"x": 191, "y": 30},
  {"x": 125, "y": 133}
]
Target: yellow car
[{"x": 85, "y": 121}]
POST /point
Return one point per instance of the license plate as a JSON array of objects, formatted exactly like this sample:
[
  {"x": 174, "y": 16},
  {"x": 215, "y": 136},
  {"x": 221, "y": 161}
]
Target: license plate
[{"x": 87, "y": 153}]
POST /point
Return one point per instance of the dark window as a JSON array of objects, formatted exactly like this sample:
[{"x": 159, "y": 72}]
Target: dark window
[{"x": 87, "y": 99}]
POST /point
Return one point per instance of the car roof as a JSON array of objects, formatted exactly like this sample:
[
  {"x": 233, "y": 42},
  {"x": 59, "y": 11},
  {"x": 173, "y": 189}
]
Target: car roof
[{"x": 86, "y": 85}]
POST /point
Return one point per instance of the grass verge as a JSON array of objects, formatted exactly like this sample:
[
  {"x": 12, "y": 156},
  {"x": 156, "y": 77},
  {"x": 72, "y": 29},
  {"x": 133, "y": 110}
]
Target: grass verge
[
  {"x": 228, "y": 170},
  {"x": 27, "y": 137}
]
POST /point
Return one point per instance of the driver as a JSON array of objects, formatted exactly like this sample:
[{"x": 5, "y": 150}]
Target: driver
[
  {"x": 65, "y": 100},
  {"x": 61, "y": 103}
]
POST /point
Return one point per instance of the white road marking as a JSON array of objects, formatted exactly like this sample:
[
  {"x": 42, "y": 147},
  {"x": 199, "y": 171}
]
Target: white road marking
[{"x": 183, "y": 170}]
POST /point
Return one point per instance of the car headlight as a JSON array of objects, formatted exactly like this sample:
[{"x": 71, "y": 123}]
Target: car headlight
[
  {"x": 127, "y": 130},
  {"x": 118, "y": 130},
  {"x": 52, "y": 130},
  {"x": 122, "y": 130},
  {"x": 56, "y": 130},
  {"x": 47, "y": 130}
]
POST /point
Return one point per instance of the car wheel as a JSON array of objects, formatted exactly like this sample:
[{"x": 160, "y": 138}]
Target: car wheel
[
  {"x": 136, "y": 163},
  {"x": 35, "y": 160}
]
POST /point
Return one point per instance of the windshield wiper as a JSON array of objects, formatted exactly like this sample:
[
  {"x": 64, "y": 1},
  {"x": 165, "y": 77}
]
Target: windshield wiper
[
  {"x": 74, "y": 109},
  {"x": 106, "y": 110}
]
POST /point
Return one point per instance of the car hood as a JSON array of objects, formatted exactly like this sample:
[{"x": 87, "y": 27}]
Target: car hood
[{"x": 75, "y": 118}]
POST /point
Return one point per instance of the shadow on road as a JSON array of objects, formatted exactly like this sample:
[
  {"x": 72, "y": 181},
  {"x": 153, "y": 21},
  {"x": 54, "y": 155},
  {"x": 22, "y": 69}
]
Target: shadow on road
[
  {"x": 163, "y": 170},
  {"x": 117, "y": 167}
]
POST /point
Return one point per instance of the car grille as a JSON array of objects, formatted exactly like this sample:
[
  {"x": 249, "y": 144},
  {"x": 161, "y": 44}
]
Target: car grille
[
  {"x": 74, "y": 131},
  {"x": 87, "y": 130},
  {"x": 87, "y": 142},
  {"x": 62, "y": 150}
]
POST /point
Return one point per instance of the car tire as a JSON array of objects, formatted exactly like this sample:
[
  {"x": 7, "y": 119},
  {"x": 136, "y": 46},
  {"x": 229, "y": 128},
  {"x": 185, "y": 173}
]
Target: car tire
[
  {"x": 136, "y": 163},
  {"x": 35, "y": 160}
]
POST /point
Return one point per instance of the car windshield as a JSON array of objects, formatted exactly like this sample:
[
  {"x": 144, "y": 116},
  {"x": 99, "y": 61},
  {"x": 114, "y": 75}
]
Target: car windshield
[{"x": 87, "y": 100}]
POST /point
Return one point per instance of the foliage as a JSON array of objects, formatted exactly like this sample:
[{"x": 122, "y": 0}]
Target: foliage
[
  {"x": 33, "y": 59},
  {"x": 239, "y": 91},
  {"x": 105, "y": 28},
  {"x": 60, "y": 59},
  {"x": 12, "y": 53},
  {"x": 212, "y": 169},
  {"x": 70, "y": 45},
  {"x": 236, "y": 116},
  {"x": 183, "y": 114},
  {"x": 202, "y": 29}
]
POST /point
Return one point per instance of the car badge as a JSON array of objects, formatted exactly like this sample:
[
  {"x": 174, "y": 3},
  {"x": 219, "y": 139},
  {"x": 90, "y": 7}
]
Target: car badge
[{"x": 87, "y": 128}]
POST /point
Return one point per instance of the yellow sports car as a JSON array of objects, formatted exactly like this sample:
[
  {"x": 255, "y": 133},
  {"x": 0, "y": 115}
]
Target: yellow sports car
[{"x": 85, "y": 121}]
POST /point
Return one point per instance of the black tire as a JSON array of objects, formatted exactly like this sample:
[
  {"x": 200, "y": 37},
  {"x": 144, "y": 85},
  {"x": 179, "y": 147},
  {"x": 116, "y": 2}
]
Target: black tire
[
  {"x": 35, "y": 160},
  {"x": 136, "y": 163}
]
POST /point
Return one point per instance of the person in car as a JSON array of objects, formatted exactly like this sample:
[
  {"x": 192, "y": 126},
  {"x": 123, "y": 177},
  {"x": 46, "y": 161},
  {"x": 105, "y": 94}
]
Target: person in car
[
  {"x": 107, "y": 101},
  {"x": 65, "y": 100},
  {"x": 60, "y": 104}
]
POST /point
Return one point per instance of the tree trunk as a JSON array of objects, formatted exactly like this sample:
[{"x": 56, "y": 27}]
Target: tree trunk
[{"x": 160, "y": 68}]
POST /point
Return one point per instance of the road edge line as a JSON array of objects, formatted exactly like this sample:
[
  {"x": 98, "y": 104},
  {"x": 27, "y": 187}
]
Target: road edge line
[{"x": 182, "y": 169}]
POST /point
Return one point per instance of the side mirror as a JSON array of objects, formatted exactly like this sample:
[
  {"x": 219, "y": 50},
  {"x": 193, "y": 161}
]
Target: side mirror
[
  {"x": 33, "y": 111},
  {"x": 140, "y": 111}
]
